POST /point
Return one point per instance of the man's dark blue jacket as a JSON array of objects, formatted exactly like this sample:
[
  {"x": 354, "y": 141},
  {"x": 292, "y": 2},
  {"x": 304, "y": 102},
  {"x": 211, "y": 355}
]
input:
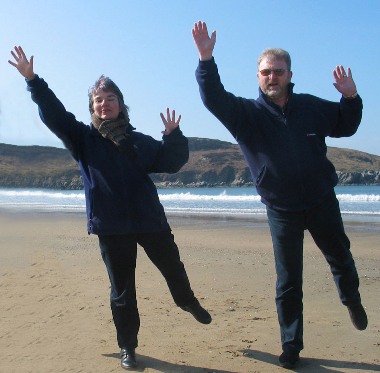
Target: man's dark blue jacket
[
  {"x": 285, "y": 151},
  {"x": 120, "y": 196}
]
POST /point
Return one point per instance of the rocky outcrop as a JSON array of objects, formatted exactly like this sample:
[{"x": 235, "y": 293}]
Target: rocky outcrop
[
  {"x": 46, "y": 182},
  {"x": 366, "y": 177}
]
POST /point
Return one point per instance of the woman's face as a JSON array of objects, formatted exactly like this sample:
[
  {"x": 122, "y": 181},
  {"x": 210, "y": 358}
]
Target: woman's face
[{"x": 106, "y": 105}]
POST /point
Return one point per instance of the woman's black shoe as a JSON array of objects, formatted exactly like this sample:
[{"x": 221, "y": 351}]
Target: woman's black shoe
[
  {"x": 128, "y": 358},
  {"x": 358, "y": 316},
  {"x": 199, "y": 313}
]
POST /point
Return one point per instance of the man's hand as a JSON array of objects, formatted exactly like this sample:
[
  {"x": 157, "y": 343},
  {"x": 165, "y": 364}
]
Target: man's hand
[
  {"x": 344, "y": 83},
  {"x": 204, "y": 43},
  {"x": 22, "y": 64},
  {"x": 170, "y": 123}
]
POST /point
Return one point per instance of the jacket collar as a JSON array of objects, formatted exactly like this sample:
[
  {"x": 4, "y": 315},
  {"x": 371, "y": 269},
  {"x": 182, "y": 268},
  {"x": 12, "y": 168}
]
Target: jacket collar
[{"x": 269, "y": 105}]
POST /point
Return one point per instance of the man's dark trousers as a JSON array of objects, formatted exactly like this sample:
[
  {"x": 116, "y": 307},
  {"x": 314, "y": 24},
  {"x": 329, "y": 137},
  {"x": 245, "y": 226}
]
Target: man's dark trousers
[{"x": 324, "y": 222}]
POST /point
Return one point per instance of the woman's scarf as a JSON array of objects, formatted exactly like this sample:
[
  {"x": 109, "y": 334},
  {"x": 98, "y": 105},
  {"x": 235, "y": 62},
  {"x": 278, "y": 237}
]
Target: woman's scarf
[{"x": 118, "y": 131}]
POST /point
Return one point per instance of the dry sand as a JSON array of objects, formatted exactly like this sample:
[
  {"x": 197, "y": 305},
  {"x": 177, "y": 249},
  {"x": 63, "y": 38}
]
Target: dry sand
[{"x": 55, "y": 316}]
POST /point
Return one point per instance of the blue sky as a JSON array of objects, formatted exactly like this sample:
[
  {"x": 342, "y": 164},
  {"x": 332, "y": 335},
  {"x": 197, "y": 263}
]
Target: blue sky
[{"x": 146, "y": 47}]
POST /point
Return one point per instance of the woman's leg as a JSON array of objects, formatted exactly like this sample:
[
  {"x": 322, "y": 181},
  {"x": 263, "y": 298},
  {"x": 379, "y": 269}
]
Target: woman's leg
[
  {"x": 119, "y": 254},
  {"x": 163, "y": 252}
]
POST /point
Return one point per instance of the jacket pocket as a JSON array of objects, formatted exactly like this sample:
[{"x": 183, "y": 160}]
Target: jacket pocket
[
  {"x": 91, "y": 203},
  {"x": 261, "y": 176}
]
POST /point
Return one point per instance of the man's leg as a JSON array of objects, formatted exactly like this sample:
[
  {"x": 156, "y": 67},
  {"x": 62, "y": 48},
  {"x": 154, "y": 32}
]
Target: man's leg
[
  {"x": 119, "y": 255},
  {"x": 287, "y": 230},
  {"x": 326, "y": 227}
]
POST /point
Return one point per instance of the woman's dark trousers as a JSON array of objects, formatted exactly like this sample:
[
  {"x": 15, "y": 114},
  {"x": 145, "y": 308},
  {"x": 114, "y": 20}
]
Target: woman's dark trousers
[
  {"x": 119, "y": 253},
  {"x": 325, "y": 225}
]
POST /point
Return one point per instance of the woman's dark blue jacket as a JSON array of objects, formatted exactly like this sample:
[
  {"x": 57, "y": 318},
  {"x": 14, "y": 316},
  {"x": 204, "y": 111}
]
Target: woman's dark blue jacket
[
  {"x": 120, "y": 196},
  {"x": 286, "y": 152}
]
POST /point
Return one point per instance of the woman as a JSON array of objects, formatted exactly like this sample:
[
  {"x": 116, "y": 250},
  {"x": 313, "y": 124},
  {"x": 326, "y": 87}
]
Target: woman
[{"x": 122, "y": 203}]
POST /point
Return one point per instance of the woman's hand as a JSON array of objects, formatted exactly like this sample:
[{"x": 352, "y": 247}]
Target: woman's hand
[
  {"x": 22, "y": 64},
  {"x": 170, "y": 123}
]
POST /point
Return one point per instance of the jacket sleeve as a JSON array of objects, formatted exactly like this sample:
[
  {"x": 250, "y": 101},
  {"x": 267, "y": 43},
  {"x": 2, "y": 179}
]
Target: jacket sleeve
[
  {"x": 349, "y": 117},
  {"x": 228, "y": 108},
  {"x": 54, "y": 115},
  {"x": 173, "y": 153}
]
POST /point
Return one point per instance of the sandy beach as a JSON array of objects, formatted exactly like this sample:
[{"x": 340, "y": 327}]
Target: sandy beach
[{"x": 55, "y": 316}]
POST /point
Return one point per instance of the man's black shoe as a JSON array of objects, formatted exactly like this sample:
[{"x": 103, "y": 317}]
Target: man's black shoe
[
  {"x": 288, "y": 360},
  {"x": 128, "y": 358},
  {"x": 199, "y": 313},
  {"x": 358, "y": 316}
]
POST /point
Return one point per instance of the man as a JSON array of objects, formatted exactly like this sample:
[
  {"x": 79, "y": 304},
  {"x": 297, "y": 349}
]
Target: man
[
  {"x": 282, "y": 136},
  {"x": 122, "y": 203}
]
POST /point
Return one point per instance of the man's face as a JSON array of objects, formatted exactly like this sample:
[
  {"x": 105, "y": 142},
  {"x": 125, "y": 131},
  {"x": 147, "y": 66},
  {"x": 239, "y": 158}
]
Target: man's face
[
  {"x": 274, "y": 78},
  {"x": 106, "y": 105}
]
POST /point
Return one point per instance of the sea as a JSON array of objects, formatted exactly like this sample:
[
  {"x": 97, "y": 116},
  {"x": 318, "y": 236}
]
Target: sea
[{"x": 357, "y": 203}]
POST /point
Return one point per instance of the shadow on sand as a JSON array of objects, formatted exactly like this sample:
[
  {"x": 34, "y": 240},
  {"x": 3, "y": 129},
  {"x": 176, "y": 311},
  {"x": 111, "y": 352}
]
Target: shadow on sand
[
  {"x": 313, "y": 365},
  {"x": 166, "y": 367},
  {"x": 306, "y": 364}
]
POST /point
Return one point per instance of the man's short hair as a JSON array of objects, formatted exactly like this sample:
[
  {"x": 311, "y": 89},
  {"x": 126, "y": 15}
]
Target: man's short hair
[{"x": 275, "y": 54}]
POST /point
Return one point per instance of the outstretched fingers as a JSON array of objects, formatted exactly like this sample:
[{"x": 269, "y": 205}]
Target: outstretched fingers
[
  {"x": 170, "y": 122},
  {"x": 21, "y": 63},
  {"x": 344, "y": 83}
]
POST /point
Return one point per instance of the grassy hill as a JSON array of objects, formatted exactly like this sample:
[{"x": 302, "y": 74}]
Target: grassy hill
[
  {"x": 37, "y": 166},
  {"x": 212, "y": 163}
]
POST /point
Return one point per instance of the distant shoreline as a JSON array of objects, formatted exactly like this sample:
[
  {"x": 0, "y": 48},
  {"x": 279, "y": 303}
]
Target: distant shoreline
[
  {"x": 369, "y": 179},
  {"x": 355, "y": 222}
]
